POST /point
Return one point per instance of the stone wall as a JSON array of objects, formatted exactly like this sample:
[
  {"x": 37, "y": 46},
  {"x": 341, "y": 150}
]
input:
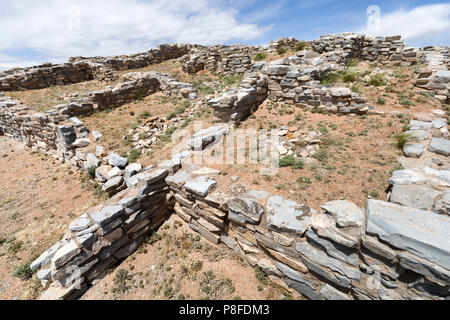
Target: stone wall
[
  {"x": 239, "y": 103},
  {"x": 288, "y": 43},
  {"x": 385, "y": 251},
  {"x": 221, "y": 59},
  {"x": 294, "y": 80},
  {"x": 434, "y": 74},
  {"x": 80, "y": 69},
  {"x": 44, "y": 76},
  {"x": 49, "y": 133},
  {"x": 356, "y": 46},
  {"x": 140, "y": 60}
]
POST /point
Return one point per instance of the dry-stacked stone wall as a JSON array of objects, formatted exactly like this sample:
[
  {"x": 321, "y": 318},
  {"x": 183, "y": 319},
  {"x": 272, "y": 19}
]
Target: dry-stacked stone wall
[
  {"x": 44, "y": 76},
  {"x": 380, "y": 49},
  {"x": 343, "y": 252},
  {"x": 287, "y": 43},
  {"x": 80, "y": 69},
  {"x": 222, "y": 59},
  {"x": 239, "y": 103},
  {"x": 434, "y": 74}
]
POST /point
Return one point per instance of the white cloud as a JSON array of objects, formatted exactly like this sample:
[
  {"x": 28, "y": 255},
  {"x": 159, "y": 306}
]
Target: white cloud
[
  {"x": 57, "y": 29},
  {"x": 8, "y": 62},
  {"x": 416, "y": 26}
]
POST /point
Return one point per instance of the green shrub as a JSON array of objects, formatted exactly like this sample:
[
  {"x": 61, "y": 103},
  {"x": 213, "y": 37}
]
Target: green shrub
[
  {"x": 261, "y": 276},
  {"x": 301, "y": 45},
  {"x": 352, "y": 63},
  {"x": 356, "y": 89},
  {"x": 321, "y": 155},
  {"x": 298, "y": 165},
  {"x": 91, "y": 172},
  {"x": 134, "y": 155},
  {"x": 260, "y": 56},
  {"x": 23, "y": 272},
  {"x": 330, "y": 78},
  {"x": 350, "y": 75},
  {"x": 144, "y": 115},
  {"x": 381, "y": 101},
  {"x": 287, "y": 161},
  {"x": 377, "y": 80},
  {"x": 402, "y": 139},
  {"x": 282, "y": 50}
]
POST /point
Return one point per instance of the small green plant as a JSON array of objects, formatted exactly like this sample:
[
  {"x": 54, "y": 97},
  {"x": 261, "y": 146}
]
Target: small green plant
[
  {"x": 356, "y": 89},
  {"x": 120, "y": 281},
  {"x": 330, "y": 78},
  {"x": 134, "y": 155},
  {"x": 261, "y": 276},
  {"x": 350, "y": 75},
  {"x": 321, "y": 155},
  {"x": 260, "y": 56},
  {"x": 144, "y": 115},
  {"x": 377, "y": 80},
  {"x": 352, "y": 63},
  {"x": 23, "y": 272},
  {"x": 300, "y": 46},
  {"x": 287, "y": 161},
  {"x": 381, "y": 101},
  {"x": 282, "y": 50},
  {"x": 91, "y": 172},
  {"x": 402, "y": 139},
  {"x": 298, "y": 165}
]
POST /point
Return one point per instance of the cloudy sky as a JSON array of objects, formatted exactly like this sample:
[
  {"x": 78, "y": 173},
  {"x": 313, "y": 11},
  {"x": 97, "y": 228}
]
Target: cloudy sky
[{"x": 52, "y": 30}]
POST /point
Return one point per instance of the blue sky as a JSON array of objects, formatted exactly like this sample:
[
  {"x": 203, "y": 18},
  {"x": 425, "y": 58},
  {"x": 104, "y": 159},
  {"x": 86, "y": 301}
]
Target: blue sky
[{"x": 52, "y": 30}]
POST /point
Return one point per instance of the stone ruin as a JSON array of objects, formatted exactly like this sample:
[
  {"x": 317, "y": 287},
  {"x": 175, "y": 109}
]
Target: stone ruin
[
  {"x": 394, "y": 249},
  {"x": 80, "y": 69}
]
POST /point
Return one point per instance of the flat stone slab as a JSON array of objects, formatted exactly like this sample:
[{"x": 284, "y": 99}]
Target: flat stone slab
[
  {"x": 80, "y": 224},
  {"x": 246, "y": 207},
  {"x": 418, "y": 135},
  {"x": 317, "y": 256},
  {"x": 117, "y": 161},
  {"x": 287, "y": 215},
  {"x": 200, "y": 186},
  {"x": 414, "y": 150},
  {"x": 440, "y": 146},
  {"x": 154, "y": 176},
  {"x": 178, "y": 179},
  {"x": 107, "y": 215},
  {"x": 423, "y": 233},
  {"x": 346, "y": 213},
  {"x": 112, "y": 184},
  {"x": 81, "y": 143},
  {"x": 64, "y": 254},
  {"x": 429, "y": 176},
  {"x": 414, "y": 196}
]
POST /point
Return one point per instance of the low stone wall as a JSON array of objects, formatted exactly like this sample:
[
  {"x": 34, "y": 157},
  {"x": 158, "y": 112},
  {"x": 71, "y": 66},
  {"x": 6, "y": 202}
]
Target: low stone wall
[
  {"x": 222, "y": 59},
  {"x": 434, "y": 74},
  {"x": 239, "y": 103},
  {"x": 294, "y": 80},
  {"x": 104, "y": 235},
  {"x": 140, "y": 60},
  {"x": 288, "y": 43},
  {"x": 44, "y": 76},
  {"x": 380, "y": 49},
  {"x": 49, "y": 133},
  {"x": 80, "y": 69},
  {"x": 344, "y": 252},
  {"x": 168, "y": 84}
]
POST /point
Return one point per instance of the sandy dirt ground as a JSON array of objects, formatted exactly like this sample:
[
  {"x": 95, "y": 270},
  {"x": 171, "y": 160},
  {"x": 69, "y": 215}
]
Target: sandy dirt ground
[{"x": 38, "y": 198}]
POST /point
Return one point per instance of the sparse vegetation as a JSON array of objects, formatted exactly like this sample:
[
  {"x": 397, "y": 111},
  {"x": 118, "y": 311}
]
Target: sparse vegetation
[{"x": 260, "y": 56}]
